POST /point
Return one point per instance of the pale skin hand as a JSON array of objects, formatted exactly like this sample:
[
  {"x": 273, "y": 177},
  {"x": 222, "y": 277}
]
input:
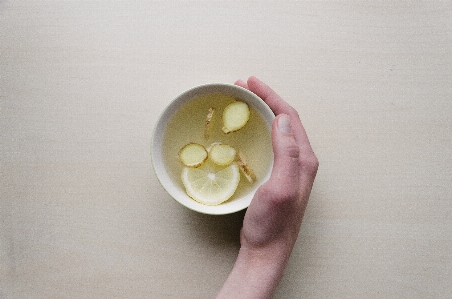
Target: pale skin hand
[{"x": 273, "y": 219}]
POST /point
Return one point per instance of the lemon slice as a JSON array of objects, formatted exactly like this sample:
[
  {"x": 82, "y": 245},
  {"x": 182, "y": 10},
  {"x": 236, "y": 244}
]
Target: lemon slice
[{"x": 211, "y": 184}]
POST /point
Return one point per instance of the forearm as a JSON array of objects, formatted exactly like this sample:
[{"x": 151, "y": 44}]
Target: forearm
[{"x": 255, "y": 275}]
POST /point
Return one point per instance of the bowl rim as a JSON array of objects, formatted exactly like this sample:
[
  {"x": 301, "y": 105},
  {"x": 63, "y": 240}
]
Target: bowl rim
[{"x": 158, "y": 164}]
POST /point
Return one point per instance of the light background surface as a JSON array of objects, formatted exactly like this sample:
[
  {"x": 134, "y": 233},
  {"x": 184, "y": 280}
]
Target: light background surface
[{"x": 82, "y": 83}]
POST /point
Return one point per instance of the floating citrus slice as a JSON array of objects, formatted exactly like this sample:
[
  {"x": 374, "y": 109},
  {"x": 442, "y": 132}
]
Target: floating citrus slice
[{"x": 211, "y": 184}]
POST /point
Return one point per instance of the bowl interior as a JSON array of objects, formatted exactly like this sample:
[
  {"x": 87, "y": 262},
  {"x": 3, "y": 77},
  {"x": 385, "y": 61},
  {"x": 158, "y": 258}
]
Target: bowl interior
[{"x": 174, "y": 188}]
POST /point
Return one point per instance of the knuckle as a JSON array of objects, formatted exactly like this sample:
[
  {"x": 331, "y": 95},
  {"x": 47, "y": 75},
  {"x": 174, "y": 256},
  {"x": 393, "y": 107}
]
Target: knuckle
[
  {"x": 293, "y": 151},
  {"x": 310, "y": 164}
]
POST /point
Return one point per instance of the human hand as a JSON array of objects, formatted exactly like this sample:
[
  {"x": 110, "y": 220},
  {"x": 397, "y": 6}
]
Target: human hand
[{"x": 273, "y": 219}]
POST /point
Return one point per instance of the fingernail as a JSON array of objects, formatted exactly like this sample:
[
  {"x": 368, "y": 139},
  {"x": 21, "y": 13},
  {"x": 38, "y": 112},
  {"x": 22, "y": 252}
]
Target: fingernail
[{"x": 284, "y": 124}]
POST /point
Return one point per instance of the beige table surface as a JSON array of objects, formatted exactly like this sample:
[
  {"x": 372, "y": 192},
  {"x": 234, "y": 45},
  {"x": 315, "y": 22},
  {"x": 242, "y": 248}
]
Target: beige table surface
[{"x": 82, "y": 214}]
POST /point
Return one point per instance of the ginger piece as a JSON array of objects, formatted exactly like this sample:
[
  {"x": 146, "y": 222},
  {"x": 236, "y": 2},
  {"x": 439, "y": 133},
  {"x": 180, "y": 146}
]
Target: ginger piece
[
  {"x": 210, "y": 146},
  {"x": 208, "y": 124},
  {"x": 193, "y": 155},
  {"x": 235, "y": 116},
  {"x": 245, "y": 168},
  {"x": 222, "y": 154}
]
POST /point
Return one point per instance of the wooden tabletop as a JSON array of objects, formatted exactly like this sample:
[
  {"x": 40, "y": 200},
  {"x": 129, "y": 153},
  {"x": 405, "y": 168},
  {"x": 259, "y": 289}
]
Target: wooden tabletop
[{"x": 82, "y": 83}]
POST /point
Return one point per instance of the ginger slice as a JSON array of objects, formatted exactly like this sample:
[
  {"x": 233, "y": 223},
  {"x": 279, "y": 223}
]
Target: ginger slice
[
  {"x": 222, "y": 154},
  {"x": 235, "y": 116},
  {"x": 244, "y": 167},
  {"x": 208, "y": 124},
  {"x": 210, "y": 146},
  {"x": 193, "y": 155}
]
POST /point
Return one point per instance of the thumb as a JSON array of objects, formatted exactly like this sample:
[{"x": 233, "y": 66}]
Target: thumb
[{"x": 286, "y": 153}]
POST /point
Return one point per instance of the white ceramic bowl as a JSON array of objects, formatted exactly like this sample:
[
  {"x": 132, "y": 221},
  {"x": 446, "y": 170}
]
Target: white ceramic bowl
[{"x": 175, "y": 189}]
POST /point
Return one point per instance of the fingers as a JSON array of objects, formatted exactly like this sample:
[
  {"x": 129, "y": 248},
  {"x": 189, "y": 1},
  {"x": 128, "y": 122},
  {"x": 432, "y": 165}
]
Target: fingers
[
  {"x": 241, "y": 84},
  {"x": 279, "y": 106},
  {"x": 308, "y": 161},
  {"x": 273, "y": 100}
]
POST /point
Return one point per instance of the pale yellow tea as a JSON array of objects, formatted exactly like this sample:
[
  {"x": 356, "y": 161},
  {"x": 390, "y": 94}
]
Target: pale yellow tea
[{"x": 188, "y": 125}]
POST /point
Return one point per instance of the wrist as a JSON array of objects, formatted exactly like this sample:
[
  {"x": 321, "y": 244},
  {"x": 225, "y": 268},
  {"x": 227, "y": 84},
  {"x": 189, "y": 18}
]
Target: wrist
[
  {"x": 270, "y": 262},
  {"x": 256, "y": 274}
]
